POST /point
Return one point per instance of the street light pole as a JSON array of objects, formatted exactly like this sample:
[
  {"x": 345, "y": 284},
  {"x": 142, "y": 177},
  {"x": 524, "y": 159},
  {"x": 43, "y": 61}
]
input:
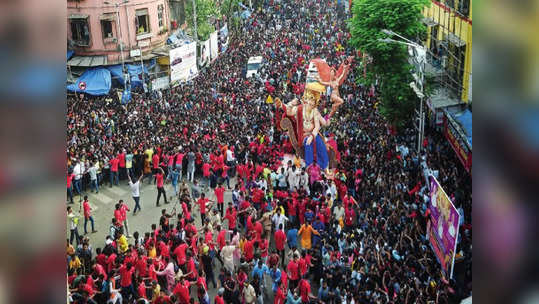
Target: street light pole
[
  {"x": 121, "y": 42},
  {"x": 195, "y": 19},
  {"x": 419, "y": 91},
  {"x": 142, "y": 71},
  {"x": 119, "y": 29}
]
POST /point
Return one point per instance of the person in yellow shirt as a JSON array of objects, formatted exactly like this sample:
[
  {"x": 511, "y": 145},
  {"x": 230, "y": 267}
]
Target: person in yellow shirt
[
  {"x": 152, "y": 253},
  {"x": 306, "y": 232},
  {"x": 122, "y": 242},
  {"x": 75, "y": 263},
  {"x": 156, "y": 290},
  {"x": 70, "y": 248},
  {"x": 149, "y": 154}
]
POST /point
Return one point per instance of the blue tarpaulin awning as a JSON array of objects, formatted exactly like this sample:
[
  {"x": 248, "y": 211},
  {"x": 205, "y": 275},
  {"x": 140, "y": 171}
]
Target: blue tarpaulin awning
[
  {"x": 70, "y": 54},
  {"x": 134, "y": 71},
  {"x": 465, "y": 120},
  {"x": 94, "y": 81}
]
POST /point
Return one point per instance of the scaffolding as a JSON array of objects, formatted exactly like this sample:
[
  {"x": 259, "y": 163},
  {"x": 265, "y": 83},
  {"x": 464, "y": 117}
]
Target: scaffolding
[{"x": 446, "y": 51}]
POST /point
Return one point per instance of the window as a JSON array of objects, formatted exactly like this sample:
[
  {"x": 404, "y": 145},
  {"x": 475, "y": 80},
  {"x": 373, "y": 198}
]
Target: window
[
  {"x": 160, "y": 15},
  {"x": 434, "y": 44},
  {"x": 455, "y": 66},
  {"x": 106, "y": 27},
  {"x": 464, "y": 7},
  {"x": 79, "y": 32},
  {"x": 142, "y": 21}
]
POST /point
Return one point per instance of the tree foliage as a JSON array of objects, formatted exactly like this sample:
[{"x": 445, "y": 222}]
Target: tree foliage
[
  {"x": 231, "y": 9},
  {"x": 205, "y": 9},
  {"x": 389, "y": 63}
]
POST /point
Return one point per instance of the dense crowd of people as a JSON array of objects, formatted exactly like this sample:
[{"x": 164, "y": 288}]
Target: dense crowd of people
[{"x": 286, "y": 235}]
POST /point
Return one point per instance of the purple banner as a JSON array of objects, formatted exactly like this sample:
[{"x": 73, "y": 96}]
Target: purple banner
[{"x": 442, "y": 228}]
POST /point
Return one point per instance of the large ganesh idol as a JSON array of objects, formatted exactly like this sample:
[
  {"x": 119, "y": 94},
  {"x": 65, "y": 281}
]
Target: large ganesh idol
[{"x": 303, "y": 122}]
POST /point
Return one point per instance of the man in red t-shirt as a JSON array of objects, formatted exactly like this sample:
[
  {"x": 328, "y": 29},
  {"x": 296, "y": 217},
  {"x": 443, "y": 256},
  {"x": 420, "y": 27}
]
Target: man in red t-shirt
[
  {"x": 121, "y": 163},
  {"x": 159, "y": 177},
  {"x": 206, "y": 174},
  {"x": 202, "y": 202},
  {"x": 249, "y": 250},
  {"x": 70, "y": 177},
  {"x": 180, "y": 253},
  {"x": 293, "y": 272},
  {"x": 280, "y": 296},
  {"x": 292, "y": 210},
  {"x": 114, "y": 171},
  {"x": 349, "y": 215},
  {"x": 220, "y": 196},
  {"x": 87, "y": 215},
  {"x": 182, "y": 290},
  {"x": 123, "y": 211},
  {"x": 221, "y": 239},
  {"x": 162, "y": 298},
  {"x": 230, "y": 216},
  {"x": 126, "y": 275},
  {"x": 305, "y": 291},
  {"x": 280, "y": 239}
]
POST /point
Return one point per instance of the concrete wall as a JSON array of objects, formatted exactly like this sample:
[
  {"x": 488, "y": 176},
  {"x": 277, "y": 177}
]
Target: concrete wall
[{"x": 95, "y": 9}]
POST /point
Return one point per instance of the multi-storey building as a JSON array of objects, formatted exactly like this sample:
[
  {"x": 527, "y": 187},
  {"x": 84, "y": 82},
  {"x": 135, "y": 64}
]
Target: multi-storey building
[
  {"x": 98, "y": 29},
  {"x": 449, "y": 41}
]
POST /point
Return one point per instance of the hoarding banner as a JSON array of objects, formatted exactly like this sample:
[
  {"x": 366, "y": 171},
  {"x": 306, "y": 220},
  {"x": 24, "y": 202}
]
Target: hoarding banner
[
  {"x": 443, "y": 227},
  {"x": 205, "y": 53},
  {"x": 214, "y": 50},
  {"x": 160, "y": 83},
  {"x": 183, "y": 62},
  {"x": 457, "y": 143}
]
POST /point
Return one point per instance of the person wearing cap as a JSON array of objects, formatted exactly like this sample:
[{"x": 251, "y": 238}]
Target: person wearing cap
[{"x": 219, "y": 297}]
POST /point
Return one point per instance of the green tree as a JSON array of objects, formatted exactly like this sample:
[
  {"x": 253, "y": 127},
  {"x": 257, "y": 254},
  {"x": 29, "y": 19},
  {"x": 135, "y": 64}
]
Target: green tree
[
  {"x": 389, "y": 63},
  {"x": 231, "y": 9},
  {"x": 205, "y": 9}
]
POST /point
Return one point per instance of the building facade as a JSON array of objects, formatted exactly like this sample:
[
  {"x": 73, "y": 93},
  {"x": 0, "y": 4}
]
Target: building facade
[
  {"x": 449, "y": 41},
  {"x": 95, "y": 28}
]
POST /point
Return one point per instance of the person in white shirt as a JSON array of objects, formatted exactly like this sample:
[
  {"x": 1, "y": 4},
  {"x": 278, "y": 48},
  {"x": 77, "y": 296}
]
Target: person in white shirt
[
  {"x": 333, "y": 189},
  {"x": 215, "y": 219},
  {"x": 230, "y": 162},
  {"x": 227, "y": 254},
  {"x": 93, "y": 177},
  {"x": 279, "y": 218},
  {"x": 293, "y": 179},
  {"x": 338, "y": 212},
  {"x": 303, "y": 181},
  {"x": 73, "y": 219},
  {"x": 78, "y": 170},
  {"x": 281, "y": 177},
  {"x": 135, "y": 192}
]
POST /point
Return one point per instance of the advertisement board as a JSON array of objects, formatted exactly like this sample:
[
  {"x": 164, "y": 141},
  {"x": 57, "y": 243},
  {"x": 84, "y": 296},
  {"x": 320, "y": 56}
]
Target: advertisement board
[
  {"x": 443, "y": 227},
  {"x": 160, "y": 83},
  {"x": 205, "y": 52},
  {"x": 183, "y": 62},
  {"x": 457, "y": 143},
  {"x": 214, "y": 50}
]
